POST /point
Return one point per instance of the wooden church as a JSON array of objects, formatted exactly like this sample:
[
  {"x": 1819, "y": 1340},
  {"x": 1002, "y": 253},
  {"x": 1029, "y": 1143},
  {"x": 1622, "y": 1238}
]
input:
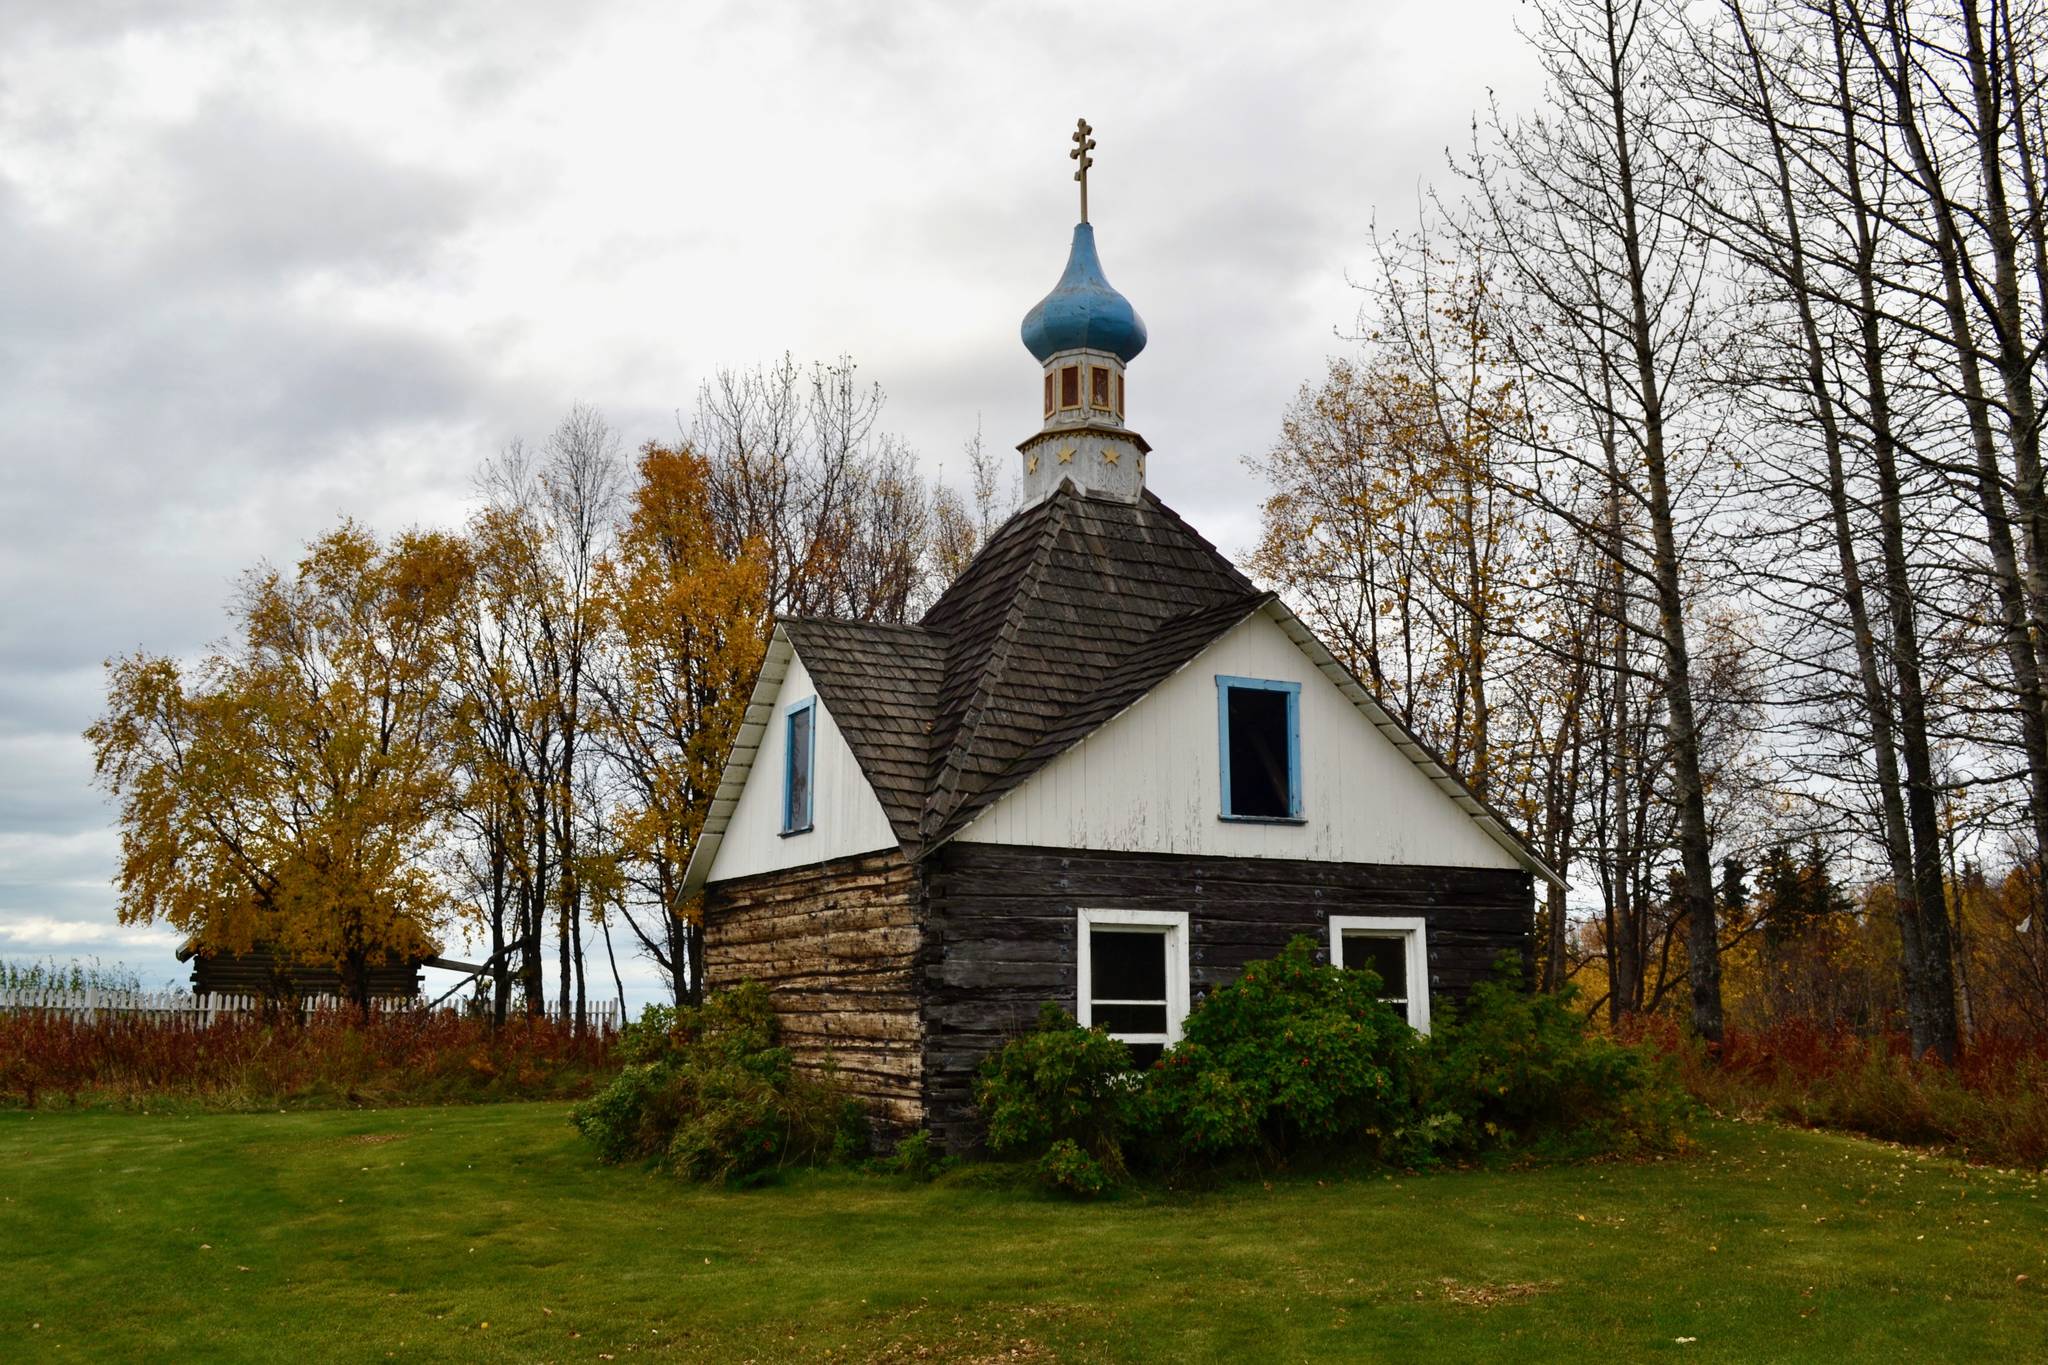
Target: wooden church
[{"x": 1105, "y": 770}]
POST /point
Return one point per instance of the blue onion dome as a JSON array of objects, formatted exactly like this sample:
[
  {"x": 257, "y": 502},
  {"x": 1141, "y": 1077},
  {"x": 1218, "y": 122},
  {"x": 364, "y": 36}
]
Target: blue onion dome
[{"x": 1082, "y": 311}]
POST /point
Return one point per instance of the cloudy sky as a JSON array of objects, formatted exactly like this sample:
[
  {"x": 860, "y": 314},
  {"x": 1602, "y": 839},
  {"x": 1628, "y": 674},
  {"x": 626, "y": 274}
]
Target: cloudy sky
[{"x": 265, "y": 265}]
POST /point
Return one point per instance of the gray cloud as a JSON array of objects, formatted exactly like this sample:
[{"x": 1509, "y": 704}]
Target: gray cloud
[{"x": 262, "y": 265}]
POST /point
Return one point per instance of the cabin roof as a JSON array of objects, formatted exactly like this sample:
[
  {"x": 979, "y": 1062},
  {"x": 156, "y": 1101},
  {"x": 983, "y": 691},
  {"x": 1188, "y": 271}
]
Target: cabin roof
[{"x": 1075, "y": 609}]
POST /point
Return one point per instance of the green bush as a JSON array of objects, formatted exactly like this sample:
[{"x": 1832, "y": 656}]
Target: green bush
[
  {"x": 714, "y": 1096},
  {"x": 917, "y": 1157},
  {"x": 1297, "y": 1056},
  {"x": 1069, "y": 1170},
  {"x": 1522, "y": 1070},
  {"x": 1058, "y": 1084},
  {"x": 1293, "y": 1054}
]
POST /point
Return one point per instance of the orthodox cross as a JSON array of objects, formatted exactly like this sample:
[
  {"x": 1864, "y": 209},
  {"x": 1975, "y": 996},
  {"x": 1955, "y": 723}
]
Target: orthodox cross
[{"x": 1083, "y": 144}]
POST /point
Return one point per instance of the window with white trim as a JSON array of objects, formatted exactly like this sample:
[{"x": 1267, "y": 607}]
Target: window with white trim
[
  {"x": 1396, "y": 948},
  {"x": 800, "y": 746},
  {"x": 1133, "y": 977}
]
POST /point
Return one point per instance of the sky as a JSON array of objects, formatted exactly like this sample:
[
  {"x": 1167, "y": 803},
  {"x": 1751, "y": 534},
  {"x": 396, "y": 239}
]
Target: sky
[{"x": 265, "y": 266}]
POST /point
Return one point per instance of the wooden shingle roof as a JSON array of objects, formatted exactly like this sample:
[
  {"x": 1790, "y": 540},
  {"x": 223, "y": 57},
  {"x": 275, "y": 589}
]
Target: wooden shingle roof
[{"x": 1075, "y": 609}]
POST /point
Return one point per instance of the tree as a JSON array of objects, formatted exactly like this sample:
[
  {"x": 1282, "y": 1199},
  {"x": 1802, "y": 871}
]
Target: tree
[
  {"x": 291, "y": 790},
  {"x": 684, "y": 632},
  {"x": 1586, "y": 211}
]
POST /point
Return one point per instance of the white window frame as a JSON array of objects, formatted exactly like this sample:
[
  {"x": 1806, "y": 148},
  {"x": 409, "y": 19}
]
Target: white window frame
[
  {"x": 1413, "y": 930},
  {"x": 1173, "y": 926}
]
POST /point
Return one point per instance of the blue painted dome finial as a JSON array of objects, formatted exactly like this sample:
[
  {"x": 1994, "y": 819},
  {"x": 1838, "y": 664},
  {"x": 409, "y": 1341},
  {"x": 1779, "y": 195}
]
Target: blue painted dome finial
[{"x": 1083, "y": 312}]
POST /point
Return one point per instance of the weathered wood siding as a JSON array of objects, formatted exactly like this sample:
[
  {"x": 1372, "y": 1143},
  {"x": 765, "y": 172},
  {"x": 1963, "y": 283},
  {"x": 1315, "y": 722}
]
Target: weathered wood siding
[
  {"x": 846, "y": 817},
  {"x": 261, "y": 972},
  {"x": 1002, "y": 921},
  {"x": 1151, "y": 780},
  {"x": 836, "y": 944}
]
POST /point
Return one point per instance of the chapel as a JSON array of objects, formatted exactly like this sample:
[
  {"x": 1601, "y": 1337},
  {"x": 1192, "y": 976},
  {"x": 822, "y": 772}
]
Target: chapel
[{"x": 1106, "y": 769}]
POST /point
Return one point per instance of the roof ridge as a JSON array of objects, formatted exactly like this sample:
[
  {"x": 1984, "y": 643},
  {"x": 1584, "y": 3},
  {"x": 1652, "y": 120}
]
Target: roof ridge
[
  {"x": 1230, "y": 613},
  {"x": 843, "y": 622},
  {"x": 1225, "y": 560},
  {"x": 960, "y": 741}
]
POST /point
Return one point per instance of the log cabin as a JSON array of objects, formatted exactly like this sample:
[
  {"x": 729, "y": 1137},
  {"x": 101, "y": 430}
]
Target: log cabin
[
  {"x": 1105, "y": 769},
  {"x": 265, "y": 973}
]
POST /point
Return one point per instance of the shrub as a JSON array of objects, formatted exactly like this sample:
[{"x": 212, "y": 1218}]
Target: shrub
[
  {"x": 1292, "y": 1054},
  {"x": 330, "y": 1057},
  {"x": 1518, "y": 1069},
  {"x": 1071, "y": 1171},
  {"x": 917, "y": 1157},
  {"x": 1298, "y": 1056},
  {"x": 1992, "y": 1107},
  {"x": 1060, "y": 1084},
  {"x": 715, "y": 1096}
]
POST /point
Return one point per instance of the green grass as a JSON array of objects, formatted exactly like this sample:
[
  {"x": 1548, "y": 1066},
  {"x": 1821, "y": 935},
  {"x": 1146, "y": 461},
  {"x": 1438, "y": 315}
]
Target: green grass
[{"x": 402, "y": 1233}]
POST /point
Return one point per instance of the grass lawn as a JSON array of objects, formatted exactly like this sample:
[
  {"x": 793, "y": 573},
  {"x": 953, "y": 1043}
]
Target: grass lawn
[{"x": 488, "y": 1232}]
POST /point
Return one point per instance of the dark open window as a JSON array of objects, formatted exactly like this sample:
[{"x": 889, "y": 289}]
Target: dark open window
[
  {"x": 1119, "y": 395},
  {"x": 1393, "y": 948},
  {"x": 1385, "y": 955},
  {"x": 1133, "y": 980},
  {"x": 799, "y": 733},
  {"x": 1127, "y": 979},
  {"x": 1261, "y": 744}
]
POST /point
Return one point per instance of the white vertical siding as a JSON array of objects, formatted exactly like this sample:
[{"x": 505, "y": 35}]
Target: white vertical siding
[
  {"x": 846, "y": 817},
  {"x": 1150, "y": 780}
]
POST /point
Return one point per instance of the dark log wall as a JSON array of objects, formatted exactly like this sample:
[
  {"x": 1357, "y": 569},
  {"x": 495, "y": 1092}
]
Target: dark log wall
[
  {"x": 1002, "y": 921},
  {"x": 260, "y": 972},
  {"x": 836, "y": 944}
]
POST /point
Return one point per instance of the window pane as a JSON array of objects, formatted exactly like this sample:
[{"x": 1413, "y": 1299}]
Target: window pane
[
  {"x": 1385, "y": 955},
  {"x": 1098, "y": 387},
  {"x": 1070, "y": 386},
  {"x": 1259, "y": 783},
  {"x": 798, "y": 814},
  {"x": 1048, "y": 395},
  {"x": 1127, "y": 965},
  {"x": 1131, "y": 1018}
]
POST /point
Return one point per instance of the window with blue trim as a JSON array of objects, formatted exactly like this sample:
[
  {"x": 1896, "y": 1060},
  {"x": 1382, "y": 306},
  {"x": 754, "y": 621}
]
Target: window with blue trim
[
  {"x": 1260, "y": 725},
  {"x": 799, "y": 749}
]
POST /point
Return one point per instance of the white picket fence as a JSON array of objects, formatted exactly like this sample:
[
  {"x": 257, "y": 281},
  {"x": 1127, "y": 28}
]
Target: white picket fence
[{"x": 201, "y": 1010}]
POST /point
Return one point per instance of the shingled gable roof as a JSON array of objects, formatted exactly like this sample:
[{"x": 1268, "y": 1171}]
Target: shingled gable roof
[
  {"x": 1073, "y": 611},
  {"x": 1068, "y": 603}
]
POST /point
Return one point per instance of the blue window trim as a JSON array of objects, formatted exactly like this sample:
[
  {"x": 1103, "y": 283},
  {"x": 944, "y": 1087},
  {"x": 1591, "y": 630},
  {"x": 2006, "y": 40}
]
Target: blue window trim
[
  {"x": 1224, "y": 684},
  {"x": 789, "y": 762}
]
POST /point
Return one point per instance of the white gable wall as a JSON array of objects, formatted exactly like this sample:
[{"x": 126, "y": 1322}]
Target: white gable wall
[
  {"x": 846, "y": 817},
  {"x": 1150, "y": 781}
]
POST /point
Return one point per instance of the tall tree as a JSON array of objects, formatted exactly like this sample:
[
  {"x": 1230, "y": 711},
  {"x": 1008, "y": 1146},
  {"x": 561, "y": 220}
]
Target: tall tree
[
  {"x": 1587, "y": 210},
  {"x": 683, "y": 638},
  {"x": 291, "y": 789}
]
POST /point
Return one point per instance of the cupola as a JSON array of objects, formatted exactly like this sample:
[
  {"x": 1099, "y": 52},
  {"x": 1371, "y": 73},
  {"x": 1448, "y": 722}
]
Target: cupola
[{"x": 1084, "y": 333}]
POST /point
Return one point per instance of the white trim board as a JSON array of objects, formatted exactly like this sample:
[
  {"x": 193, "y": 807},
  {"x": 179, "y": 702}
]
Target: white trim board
[{"x": 1173, "y": 925}]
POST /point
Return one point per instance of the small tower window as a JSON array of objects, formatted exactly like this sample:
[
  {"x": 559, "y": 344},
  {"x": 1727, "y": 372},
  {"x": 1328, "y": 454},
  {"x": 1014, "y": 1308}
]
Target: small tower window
[
  {"x": 1098, "y": 387},
  {"x": 799, "y": 751},
  {"x": 1070, "y": 386},
  {"x": 1119, "y": 395},
  {"x": 1260, "y": 721},
  {"x": 1048, "y": 393}
]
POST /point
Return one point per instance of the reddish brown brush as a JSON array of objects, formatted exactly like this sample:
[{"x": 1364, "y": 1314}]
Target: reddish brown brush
[
  {"x": 1992, "y": 1106},
  {"x": 248, "y": 1061}
]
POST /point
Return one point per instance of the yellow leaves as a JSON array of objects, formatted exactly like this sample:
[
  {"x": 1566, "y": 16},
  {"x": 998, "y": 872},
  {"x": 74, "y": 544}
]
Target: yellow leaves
[
  {"x": 687, "y": 627},
  {"x": 289, "y": 789}
]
